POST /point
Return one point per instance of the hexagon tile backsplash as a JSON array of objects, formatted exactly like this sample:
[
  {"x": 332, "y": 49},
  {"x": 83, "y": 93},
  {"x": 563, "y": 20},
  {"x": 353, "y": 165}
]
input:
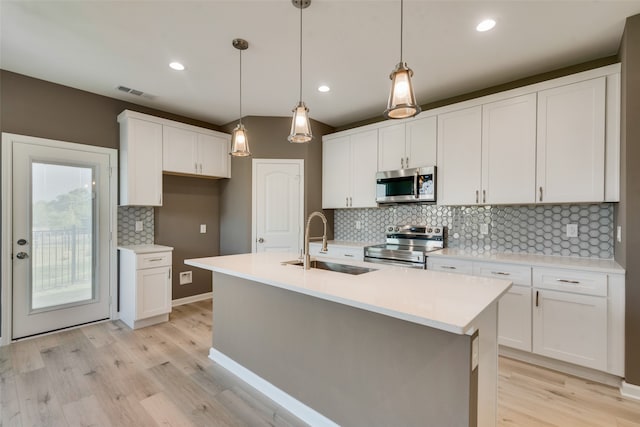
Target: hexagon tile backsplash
[
  {"x": 538, "y": 229},
  {"x": 127, "y": 217}
]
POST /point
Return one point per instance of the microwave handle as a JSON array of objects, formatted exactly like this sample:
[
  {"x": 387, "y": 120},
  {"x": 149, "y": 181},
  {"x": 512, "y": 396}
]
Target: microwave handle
[{"x": 415, "y": 185}]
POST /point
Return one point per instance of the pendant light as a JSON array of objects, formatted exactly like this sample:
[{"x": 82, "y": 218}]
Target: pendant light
[
  {"x": 239, "y": 141},
  {"x": 402, "y": 100},
  {"x": 300, "y": 125}
]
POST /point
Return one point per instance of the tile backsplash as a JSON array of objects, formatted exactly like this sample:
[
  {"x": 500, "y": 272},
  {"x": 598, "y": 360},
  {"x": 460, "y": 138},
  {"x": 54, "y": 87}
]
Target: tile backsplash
[
  {"x": 536, "y": 229},
  {"x": 127, "y": 217}
]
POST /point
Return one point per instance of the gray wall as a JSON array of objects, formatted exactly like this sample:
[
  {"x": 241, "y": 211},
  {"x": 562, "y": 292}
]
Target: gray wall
[
  {"x": 38, "y": 108},
  {"x": 627, "y": 253},
  {"x": 356, "y": 367},
  {"x": 267, "y": 140}
]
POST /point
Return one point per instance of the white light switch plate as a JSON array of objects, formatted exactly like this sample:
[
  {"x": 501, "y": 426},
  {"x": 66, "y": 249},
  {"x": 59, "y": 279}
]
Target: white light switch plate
[
  {"x": 572, "y": 230},
  {"x": 139, "y": 225},
  {"x": 484, "y": 228},
  {"x": 203, "y": 228},
  {"x": 186, "y": 277}
]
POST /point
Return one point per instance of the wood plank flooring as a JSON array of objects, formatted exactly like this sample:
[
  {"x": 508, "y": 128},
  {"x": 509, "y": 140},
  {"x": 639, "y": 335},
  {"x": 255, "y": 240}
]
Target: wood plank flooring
[{"x": 109, "y": 375}]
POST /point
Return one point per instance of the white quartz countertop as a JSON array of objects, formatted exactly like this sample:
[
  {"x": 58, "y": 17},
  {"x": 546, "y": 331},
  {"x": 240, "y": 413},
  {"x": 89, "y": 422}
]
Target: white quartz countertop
[
  {"x": 145, "y": 249},
  {"x": 590, "y": 264},
  {"x": 445, "y": 301}
]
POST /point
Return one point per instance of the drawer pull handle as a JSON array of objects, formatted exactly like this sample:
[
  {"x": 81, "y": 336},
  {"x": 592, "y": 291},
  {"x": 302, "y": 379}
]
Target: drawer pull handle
[
  {"x": 573, "y": 282},
  {"x": 448, "y": 267},
  {"x": 349, "y": 255},
  {"x": 537, "y": 295},
  {"x": 322, "y": 252},
  {"x": 501, "y": 273},
  {"x": 154, "y": 259}
]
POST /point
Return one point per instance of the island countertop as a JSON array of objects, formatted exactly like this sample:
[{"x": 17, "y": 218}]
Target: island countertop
[{"x": 446, "y": 301}]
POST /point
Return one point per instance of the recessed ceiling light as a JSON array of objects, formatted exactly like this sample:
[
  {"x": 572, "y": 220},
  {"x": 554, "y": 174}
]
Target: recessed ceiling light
[
  {"x": 486, "y": 25},
  {"x": 323, "y": 88},
  {"x": 176, "y": 66}
]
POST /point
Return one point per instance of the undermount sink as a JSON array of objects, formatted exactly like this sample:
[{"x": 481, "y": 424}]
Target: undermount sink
[{"x": 333, "y": 266}]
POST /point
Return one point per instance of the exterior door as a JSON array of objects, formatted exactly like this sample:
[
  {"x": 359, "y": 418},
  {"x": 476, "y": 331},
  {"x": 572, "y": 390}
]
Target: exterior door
[
  {"x": 278, "y": 205},
  {"x": 61, "y": 197}
]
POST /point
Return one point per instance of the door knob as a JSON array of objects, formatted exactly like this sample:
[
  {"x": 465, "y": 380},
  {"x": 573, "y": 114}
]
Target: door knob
[
  {"x": 261, "y": 240},
  {"x": 22, "y": 255},
  {"x": 22, "y": 242}
]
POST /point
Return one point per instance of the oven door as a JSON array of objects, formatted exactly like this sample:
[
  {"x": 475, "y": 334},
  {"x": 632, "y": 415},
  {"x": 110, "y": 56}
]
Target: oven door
[{"x": 406, "y": 185}]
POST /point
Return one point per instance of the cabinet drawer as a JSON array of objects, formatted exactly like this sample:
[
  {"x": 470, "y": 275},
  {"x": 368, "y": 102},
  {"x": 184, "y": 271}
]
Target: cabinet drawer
[
  {"x": 338, "y": 252},
  {"x": 450, "y": 265},
  {"x": 156, "y": 259},
  {"x": 577, "y": 282},
  {"x": 518, "y": 274}
]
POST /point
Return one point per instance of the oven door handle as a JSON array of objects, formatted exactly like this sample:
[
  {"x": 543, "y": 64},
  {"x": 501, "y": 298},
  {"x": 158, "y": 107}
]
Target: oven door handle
[
  {"x": 420, "y": 266},
  {"x": 415, "y": 185}
]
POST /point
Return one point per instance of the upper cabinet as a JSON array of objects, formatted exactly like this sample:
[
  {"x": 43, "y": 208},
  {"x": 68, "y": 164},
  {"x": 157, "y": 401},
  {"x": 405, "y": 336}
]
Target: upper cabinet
[
  {"x": 186, "y": 152},
  {"x": 408, "y": 145},
  {"x": 151, "y": 145},
  {"x": 349, "y": 166},
  {"x": 140, "y": 162},
  {"x": 571, "y": 142}
]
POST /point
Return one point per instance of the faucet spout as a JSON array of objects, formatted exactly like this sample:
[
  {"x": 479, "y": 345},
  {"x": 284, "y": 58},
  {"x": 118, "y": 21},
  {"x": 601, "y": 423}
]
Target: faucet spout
[{"x": 307, "y": 257}]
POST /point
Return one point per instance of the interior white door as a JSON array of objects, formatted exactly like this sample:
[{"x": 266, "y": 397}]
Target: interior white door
[
  {"x": 61, "y": 236},
  {"x": 278, "y": 194}
]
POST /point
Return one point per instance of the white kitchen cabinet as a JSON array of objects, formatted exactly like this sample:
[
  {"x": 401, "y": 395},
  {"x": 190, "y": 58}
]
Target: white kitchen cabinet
[
  {"x": 509, "y": 151},
  {"x": 571, "y": 143},
  {"x": 353, "y": 253},
  {"x": 194, "y": 153},
  {"x": 570, "y": 316},
  {"x": 349, "y": 166},
  {"x": 514, "y": 308},
  {"x": 450, "y": 265},
  {"x": 140, "y": 161},
  {"x": 459, "y": 154},
  {"x": 145, "y": 285},
  {"x": 408, "y": 145}
]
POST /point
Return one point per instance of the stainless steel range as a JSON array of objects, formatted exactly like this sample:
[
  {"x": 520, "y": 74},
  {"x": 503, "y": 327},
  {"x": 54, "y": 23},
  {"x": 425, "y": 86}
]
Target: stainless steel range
[{"x": 407, "y": 245}]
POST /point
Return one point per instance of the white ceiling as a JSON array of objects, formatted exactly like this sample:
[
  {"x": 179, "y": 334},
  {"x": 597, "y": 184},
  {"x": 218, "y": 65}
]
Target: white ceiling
[{"x": 351, "y": 45}]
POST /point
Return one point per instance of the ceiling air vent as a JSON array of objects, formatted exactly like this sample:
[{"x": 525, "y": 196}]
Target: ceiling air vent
[{"x": 129, "y": 90}]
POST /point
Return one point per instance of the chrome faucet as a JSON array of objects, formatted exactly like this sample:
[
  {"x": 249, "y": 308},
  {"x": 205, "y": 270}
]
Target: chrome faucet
[{"x": 307, "y": 257}]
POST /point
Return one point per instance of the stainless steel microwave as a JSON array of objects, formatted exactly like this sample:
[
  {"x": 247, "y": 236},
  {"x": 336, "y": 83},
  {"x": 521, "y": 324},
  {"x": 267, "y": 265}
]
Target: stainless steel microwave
[{"x": 415, "y": 185}]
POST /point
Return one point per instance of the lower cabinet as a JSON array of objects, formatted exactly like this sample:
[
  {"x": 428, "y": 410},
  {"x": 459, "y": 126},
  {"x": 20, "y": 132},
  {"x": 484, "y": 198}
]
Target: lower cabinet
[
  {"x": 145, "y": 288},
  {"x": 354, "y": 253},
  {"x": 575, "y": 316}
]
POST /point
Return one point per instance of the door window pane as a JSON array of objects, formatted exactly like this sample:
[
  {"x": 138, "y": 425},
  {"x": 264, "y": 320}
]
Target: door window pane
[{"x": 62, "y": 235}]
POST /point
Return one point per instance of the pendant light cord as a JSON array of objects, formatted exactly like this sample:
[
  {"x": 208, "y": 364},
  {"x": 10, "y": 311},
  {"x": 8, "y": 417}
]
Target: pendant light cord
[
  {"x": 301, "y": 54},
  {"x": 240, "y": 87},
  {"x": 401, "y": 26}
]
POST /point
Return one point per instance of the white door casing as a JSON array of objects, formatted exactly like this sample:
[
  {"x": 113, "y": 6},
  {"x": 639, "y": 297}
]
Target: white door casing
[
  {"x": 277, "y": 205},
  {"x": 18, "y": 153}
]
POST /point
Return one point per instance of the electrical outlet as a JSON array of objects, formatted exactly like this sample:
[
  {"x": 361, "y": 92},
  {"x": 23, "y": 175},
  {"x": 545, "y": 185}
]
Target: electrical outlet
[
  {"x": 619, "y": 234},
  {"x": 358, "y": 225},
  {"x": 484, "y": 228},
  {"x": 186, "y": 277},
  {"x": 572, "y": 230},
  {"x": 139, "y": 225},
  {"x": 203, "y": 228}
]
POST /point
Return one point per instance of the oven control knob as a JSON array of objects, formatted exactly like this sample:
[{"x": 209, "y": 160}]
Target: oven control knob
[
  {"x": 390, "y": 229},
  {"x": 397, "y": 229},
  {"x": 436, "y": 230},
  {"x": 429, "y": 230}
]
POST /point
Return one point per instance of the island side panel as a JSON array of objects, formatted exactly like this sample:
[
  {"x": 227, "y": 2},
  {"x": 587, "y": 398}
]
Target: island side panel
[{"x": 353, "y": 366}]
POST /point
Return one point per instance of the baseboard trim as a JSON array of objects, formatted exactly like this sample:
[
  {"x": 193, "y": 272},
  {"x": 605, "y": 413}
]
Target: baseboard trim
[
  {"x": 565, "y": 367},
  {"x": 192, "y": 298},
  {"x": 291, "y": 404},
  {"x": 631, "y": 391}
]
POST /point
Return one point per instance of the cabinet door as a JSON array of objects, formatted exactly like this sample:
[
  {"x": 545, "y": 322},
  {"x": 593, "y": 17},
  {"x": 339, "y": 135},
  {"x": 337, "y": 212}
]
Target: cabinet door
[
  {"x": 509, "y": 151},
  {"x": 179, "y": 147},
  {"x": 391, "y": 147},
  {"x": 570, "y": 327},
  {"x": 514, "y": 318},
  {"x": 335, "y": 172},
  {"x": 421, "y": 142},
  {"x": 364, "y": 158},
  {"x": 570, "y": 149},
  {"x": 459, "y": 161},
  {"x": 153, "y": 293},
  {"x": 213, "y": 156},
  {"x": 141, "y": 163}
]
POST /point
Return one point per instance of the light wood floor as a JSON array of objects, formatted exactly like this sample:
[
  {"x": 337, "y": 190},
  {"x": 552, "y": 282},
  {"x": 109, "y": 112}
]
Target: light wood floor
[{"x": 108, "y": 375}]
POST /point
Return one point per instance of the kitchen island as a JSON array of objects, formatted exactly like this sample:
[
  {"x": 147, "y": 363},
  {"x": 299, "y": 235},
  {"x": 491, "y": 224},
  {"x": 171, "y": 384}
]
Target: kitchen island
[{"x": 394, "y": 346}]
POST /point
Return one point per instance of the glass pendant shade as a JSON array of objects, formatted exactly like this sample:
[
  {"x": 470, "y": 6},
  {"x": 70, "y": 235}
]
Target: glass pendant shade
[
  {"x": 402, "y": 100},
  {"x": 300, "y": 125},
  {"x": 240, "y": 142}
]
